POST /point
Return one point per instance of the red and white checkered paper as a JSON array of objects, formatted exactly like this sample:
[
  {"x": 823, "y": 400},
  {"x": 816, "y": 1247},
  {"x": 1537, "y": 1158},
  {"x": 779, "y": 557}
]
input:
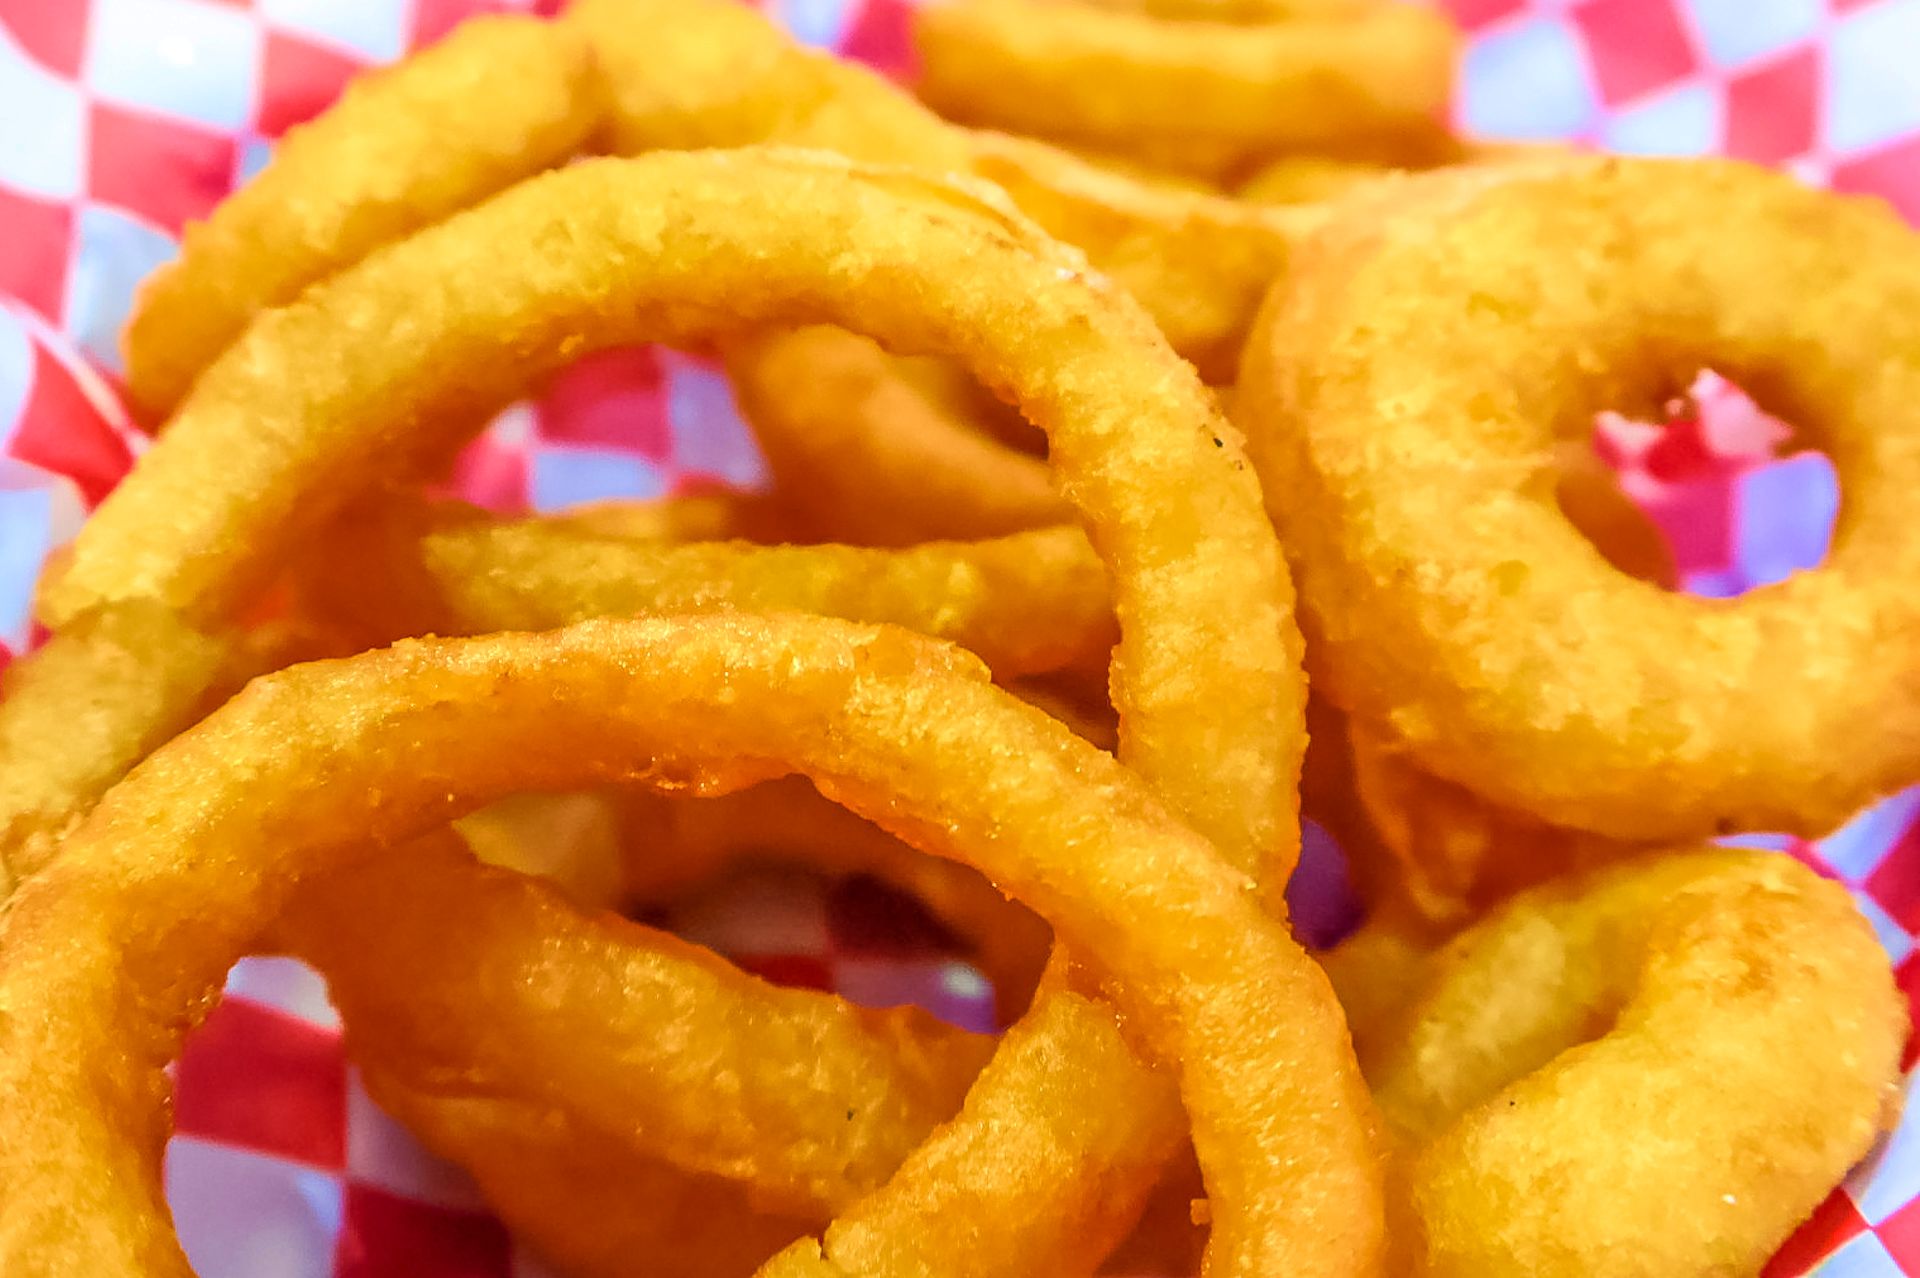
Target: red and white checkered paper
[{"x": 120, "y": 120}]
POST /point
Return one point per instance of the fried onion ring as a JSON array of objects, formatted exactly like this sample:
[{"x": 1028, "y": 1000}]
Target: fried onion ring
[
  {"x": 1236, "y": 10},
  {"x": 788, "y": 820},
  {"x": 671, "y": 246},
  {"x": 711, "y": 73},
  {"x": 1508, "y": 656},
  {"x": 113, "y": 952},
  {"x": 863, "y": 454},
  {"x": 74, "y": 714},
  {"x": 318, "y": 397},
  {"x": 1028, "y": 1111},
  {"x": 1723, "y": 1011},
  {"x": 722, "y": 515},
  {"x": 1203, "y": 96},
  {"x": 518, "y": 994},
  {"x": 116, "y": 683},
  {"x": 585, "y": 1201},
  {"x": 1025, "y": 604},
  {"x": 1443, "y": 855},
  {"x": 500, "y": 99}
]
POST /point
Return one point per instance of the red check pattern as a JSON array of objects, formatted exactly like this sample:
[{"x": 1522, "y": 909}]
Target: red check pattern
[
  {"x": 1776, "y": 83},
  {"x": 282, "y": 1165},
  {"x": 265, "y": 1097}
]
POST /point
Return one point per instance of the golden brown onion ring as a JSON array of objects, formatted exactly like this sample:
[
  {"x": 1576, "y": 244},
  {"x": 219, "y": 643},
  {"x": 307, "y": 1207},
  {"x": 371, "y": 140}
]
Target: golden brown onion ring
[
  {"x": 807, "y": 1099},
  {"x": 1441, "y": 854},
  {"x": 1236, "y": 10},
  {"x": 113, "y": 952},
  {"x": 500, "y": 99},
  {"x": 1306, "y": 179},
  {"x": 973, "y": 1192},
  {"x": 1205, "y": 96},
  {"x": 117, "y": 682},
  {"x": 587, "y": 1202},
  {"x": 1508, "y": 656},
  {"x": 721, "y": 515},
  {"x": 861, "y": 453},
  {"x": 72, "y": 715},
  {"x": 1026, "y": 603},
  {"x": 674, "y": 843},
  {"x": 1724, "y": 1016},
  {"x": 711, "y": 73},
  {"x": 686, "y": 247},
  {"x": 1200, "y": 263}
]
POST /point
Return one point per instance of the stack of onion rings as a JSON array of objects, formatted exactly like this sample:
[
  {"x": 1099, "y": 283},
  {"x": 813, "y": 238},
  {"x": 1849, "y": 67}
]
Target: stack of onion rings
[
  {"x": 574, "y": 1063},
  {"x": 1510, "y": 657},
  {"x": 289, "y": 779}
]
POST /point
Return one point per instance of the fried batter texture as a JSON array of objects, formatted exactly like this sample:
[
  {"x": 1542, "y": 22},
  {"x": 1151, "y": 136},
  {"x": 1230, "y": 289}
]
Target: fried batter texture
[
  {"x": 305, "y": 766},
  {"x": 1509, "y": 656},
  {"x": 1196, "y": 95},
  {"x": 499, "y": 100},
  {"x": 1657, "y": 1069},
  {"x": 1026, "y": 603},
  {"x": 520, "y": 995},
  {"x": 316, "y": 399}
]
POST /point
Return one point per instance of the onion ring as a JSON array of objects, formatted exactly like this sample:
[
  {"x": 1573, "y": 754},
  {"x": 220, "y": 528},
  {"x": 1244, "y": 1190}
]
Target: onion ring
[
  {"x": 1029, "y": 1110},
  {"x": 682, "y": 241},
  {"x": 1305, "y": 179},
  {"x": 1441, "y": 854},
  {"x": 788, "y": 820},
  {"x": 1200, "y": 263},
  {"x": 75, "y": 713},
  {"x": 1212, "y": 97},
  {"x": 862, "y": 454},
  {"x": 586, "y": 1202},
  {"x": 1206, "y": 672},
  {"x": 1236, "y": 10},
  {"x": 1508, "y": 656},
  {"x": 1025, "y": 604},
  {"x": 117, "y": 682},
  {"x": 1738, "y": 989},
  {"x": 711, "y": 73},
  {"x": 1308, "y": 179},
  {"x": 500, "y": 99},
  {"x": 721, "y": 515},
  {"x": 518, "y": 994},
  {"x": 102, "y": 971}
]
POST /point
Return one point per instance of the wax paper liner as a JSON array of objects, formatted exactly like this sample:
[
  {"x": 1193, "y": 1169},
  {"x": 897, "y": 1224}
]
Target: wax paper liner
[{"x": 122, "y": 119}]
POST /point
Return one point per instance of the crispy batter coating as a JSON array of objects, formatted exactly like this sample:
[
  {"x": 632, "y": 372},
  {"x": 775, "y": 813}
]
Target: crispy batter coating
[
  {"x": 75, "y": 714},
  {"x": 111, "y": 954},
  {"x": 1418, "y": 378},
  {"x": 955, "y": 1193},
  {"x": 1026, "y": 603},
  {"x": 1658, "y": 1069},
  {"x": 1440, "y": 854},
  {"x": 712, "y": 73},
  {"x": 397, "y": 357},
  {"x": 500, "y": 99},
  {"x": 1203, "y": 96},
  {"x": 863, "y": 453},
  {"x": 586, "y": 1201},
  {"x": 1236, "y": 10},
  {"x": 516, "y": 993},
  {"x": 673, "y": 843}
]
